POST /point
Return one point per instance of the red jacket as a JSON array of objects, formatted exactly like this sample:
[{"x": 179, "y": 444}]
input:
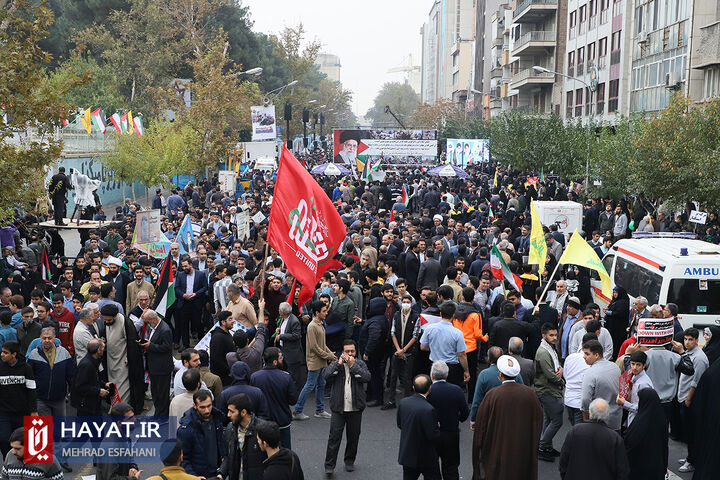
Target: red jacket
[{"x": 67, "y": 325}]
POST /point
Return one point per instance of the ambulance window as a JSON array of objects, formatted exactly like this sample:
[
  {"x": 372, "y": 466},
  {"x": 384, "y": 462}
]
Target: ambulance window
[
  {"x": 694, "y": 296},
  {"x": 608, "y": 262},
  {"x": 637, "y": 280}
]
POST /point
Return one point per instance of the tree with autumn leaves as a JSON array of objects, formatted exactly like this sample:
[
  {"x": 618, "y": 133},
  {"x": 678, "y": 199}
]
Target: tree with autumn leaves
[{"x": 32, "y": 107}]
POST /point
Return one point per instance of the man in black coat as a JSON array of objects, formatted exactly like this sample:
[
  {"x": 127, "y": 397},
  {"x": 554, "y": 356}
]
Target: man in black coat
[
  {"x": 412, "y": 268},
  {"x": 88, "y": 391},
  {"x": 452, "y": 408},
  {"x": 57, "y": 189},
  {"x": 346, "y": 412},
  {"x": 190, "y": 301},
  {"x": 418, "y": 424},
  {"x": 592, "y": 450},
  {"x": 159, "y": 359},
  {"x": 289, "y": 339},
  {"x": 372, "y": 343},
  {"x": 503, "y": 330},
  {"x": 431, "y": 272},
  {"x": 221, "y": 343}
]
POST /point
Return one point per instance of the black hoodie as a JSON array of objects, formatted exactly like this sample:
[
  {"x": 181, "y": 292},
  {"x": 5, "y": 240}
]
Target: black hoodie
[
  {"x": 284, "y": 465},
  {"x": 221, "y": 343},
  {"x": 17, "y": 388}
]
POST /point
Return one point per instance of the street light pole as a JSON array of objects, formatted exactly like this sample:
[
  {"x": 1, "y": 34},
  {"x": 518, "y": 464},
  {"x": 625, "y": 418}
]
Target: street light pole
[{"x": 590, "y": 117}]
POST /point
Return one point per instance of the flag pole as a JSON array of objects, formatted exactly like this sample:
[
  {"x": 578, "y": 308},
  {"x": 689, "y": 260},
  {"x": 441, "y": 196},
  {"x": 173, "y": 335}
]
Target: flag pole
[
  {"x": 548, "y": 283},
  {"x": 262, "y": 282}
]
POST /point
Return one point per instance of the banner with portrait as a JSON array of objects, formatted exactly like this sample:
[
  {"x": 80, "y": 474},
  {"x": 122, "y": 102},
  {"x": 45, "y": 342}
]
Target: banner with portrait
[
  {"x": 385, "y": 148},
  {"x": 263, "y": 122},
  {"x": 464, "y": 152}
]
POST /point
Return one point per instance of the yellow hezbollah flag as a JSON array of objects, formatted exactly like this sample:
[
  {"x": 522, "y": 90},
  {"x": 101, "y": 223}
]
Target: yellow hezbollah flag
[
  {"x": 131, "y": 125},
  {"x": 538, "y": 247},
  {"x": 85, "y": 120},
  {"x": 579, "y": 252}
]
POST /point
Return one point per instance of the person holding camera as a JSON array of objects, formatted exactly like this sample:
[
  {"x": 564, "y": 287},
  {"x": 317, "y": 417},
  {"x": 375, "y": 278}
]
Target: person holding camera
[{"x": 348, "y": 376}]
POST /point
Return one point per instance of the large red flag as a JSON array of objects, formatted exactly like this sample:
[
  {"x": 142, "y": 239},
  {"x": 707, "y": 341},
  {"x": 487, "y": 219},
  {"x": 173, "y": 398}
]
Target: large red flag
[{"x": 305, "y": 229}]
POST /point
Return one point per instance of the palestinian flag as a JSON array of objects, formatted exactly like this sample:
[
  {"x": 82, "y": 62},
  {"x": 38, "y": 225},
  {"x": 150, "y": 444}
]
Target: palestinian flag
[
  {"x": 501, "y": 271},
  {"x": 138, "y": 125},
  {"x": 98, "y": 118},
  {"x": 426, "y": 319},
  {"x": 45, "y": 266},
  {"x": 124, "y": 123},
  {"x": 115, "y": 120},
  {"x": 405, "y": 197},
  {"x": 165, "y": 291}
]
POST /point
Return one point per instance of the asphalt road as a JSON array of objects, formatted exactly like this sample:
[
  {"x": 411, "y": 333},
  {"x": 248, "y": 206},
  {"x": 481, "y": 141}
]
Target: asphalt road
[{"x": 379, "y": 440}]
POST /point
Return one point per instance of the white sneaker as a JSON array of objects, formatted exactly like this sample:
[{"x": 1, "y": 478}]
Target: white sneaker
[
  {"x": 681, "y": 461},
  {"x": 299, "y": 416},
  {"x": 322, "y": 415},
  {"x": 687, "y": 467}
]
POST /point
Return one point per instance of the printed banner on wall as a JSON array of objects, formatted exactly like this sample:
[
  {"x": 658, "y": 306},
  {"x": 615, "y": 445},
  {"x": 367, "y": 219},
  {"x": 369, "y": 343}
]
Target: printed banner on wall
[{"x": 263, "y": 122}]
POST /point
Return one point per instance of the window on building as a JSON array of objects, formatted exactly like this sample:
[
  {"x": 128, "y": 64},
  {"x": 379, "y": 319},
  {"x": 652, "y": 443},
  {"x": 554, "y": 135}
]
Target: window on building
[
  {"x": 592, "y": 7},
  {"x": 579, "y": 101},
  {"x": 582, "y": 13},
  {"x": 580, "y": 60},
  {"x": 602, "y": 52},
  {"x": 591, "y": 53},
  {"x": 571, "y": 63},
  {"x": 615, "y": 48},
  {"x": 571, "y": 26},
  {"x": 712, "y": 82},
  {"x": 639, "y": 27},
  {"x": 569, "y": 106},
  {"x": 600, "y": 99},
  {"x": 613, "y": 97},
  {"x": 604, "y": 11}
]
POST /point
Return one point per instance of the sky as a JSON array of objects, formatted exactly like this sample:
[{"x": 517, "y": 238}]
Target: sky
[{"x": 370, "y": 37}]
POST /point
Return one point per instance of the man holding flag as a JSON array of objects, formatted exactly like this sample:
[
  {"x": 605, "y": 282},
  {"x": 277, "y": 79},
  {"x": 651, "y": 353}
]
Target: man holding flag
[{"x": 305, "y": 229}]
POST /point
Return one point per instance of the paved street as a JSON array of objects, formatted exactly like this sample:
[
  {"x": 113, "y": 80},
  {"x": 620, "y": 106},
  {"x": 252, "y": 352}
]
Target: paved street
[{"x": 377, "y": 453}]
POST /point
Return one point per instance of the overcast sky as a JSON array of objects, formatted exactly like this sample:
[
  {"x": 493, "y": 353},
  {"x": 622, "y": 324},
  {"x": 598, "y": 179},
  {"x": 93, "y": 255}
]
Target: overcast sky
[{"x": 370, "y": 37}]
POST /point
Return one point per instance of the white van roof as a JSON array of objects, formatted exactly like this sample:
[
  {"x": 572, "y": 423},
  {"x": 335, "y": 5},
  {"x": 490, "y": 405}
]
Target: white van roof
[{"x": 666, "y": 251}]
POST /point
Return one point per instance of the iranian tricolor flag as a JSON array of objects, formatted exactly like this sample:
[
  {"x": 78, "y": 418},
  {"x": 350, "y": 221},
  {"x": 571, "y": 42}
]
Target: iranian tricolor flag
[
  {"x": 45, "y": 266},
  {"x": 115, "y": 120},
  {"x": 501, "y": 271},
  {"x": 405, "y": 196},
  {"x": 165, "y": 292},
  {"x": 98, "y": 118},
  {"x": 138, "y": 125},
  {"x": 491, "y": 215}
]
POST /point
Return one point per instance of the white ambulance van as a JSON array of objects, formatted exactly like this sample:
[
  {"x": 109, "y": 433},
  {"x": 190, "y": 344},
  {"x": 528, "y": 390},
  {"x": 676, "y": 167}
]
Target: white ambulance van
[{"x": 667, "y": 268}]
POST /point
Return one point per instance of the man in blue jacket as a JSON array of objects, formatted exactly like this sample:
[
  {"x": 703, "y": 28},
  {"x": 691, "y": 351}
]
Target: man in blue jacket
[
  {"x": 201, "y": 434},
  {"x": 279, "y": 389},
  {"x": 240, "y": 373},
  {"x": 54, "y": 370}
]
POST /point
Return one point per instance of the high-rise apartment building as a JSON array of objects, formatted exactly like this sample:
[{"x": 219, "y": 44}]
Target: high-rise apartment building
[
  {"x": 539, "y": 38},
  {"x": 329, "y": 64},
  {"x": 447, "y": 48}
]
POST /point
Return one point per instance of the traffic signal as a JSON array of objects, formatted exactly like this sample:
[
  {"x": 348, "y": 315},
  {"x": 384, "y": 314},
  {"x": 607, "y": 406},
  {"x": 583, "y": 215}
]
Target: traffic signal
[
  {"x": 306, "y": 115},
  {"x": 288, "y": 111},
  {"x": 315, "y": 118},
  {"x": 322, "y": 119}
]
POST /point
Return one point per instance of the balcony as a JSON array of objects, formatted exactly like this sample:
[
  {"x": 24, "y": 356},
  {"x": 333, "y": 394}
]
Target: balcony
[
  {"x": 534, "y": 43},
  {"x": 496, "y": 72},
  {"x": 497, "y": 42},
  {"x": 532, "y": 78},
  {"x": 505, "y": 57},
  {"x": 534, "y": 11},
  {"x": 708, "y": 49}
]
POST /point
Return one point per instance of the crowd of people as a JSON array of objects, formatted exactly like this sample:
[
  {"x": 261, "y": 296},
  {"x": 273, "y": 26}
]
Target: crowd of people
[{"x": 414, "y": 320}]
